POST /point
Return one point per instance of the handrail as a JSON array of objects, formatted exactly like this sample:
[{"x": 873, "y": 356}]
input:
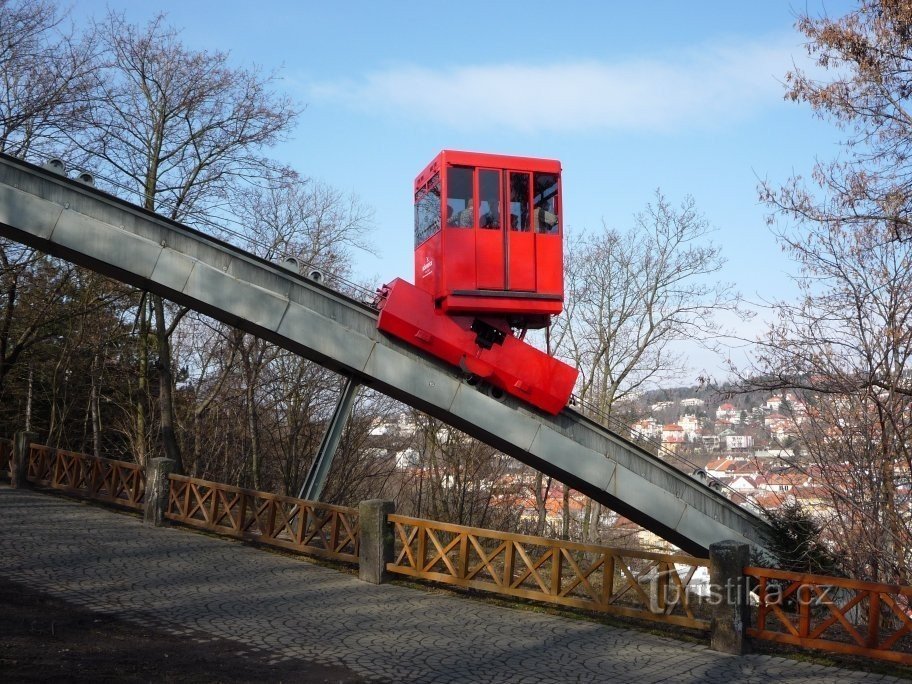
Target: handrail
[
  {"x": 643, "y": 585},
  {"x": 833, "y": 614},
  {"x": 295, "y": 524}
]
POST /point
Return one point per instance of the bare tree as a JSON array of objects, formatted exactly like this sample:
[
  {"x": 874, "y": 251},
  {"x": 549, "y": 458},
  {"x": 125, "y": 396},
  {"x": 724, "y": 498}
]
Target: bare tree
[
  {"x": 177, "y": 129},
  {"x": 845, "y": 344},
  {"x": 305, "y": 219},
  {"x": 867, "y": 58},
  {"x": 458, "y": 479},
  {"x": 632, "y": 296},
  {"x": 45, "y": 78}
]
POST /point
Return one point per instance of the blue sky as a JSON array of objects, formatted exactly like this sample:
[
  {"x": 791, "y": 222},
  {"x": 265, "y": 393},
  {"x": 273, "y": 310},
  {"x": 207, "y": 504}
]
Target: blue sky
[{"x": 682, "y": 96}]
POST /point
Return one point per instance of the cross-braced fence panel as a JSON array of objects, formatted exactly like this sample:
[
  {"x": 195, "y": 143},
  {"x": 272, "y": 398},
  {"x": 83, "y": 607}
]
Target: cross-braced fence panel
[
  {"x": 93, "y": 477},
  {"x": 295, "y": 524},
  {"x": 626, "y": 582},
  {"x": 6, "y": 455},
  {"x": 833, "y": 614}
]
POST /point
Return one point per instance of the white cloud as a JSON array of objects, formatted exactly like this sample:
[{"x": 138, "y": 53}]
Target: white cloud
[{"x": 695, "y": 88}]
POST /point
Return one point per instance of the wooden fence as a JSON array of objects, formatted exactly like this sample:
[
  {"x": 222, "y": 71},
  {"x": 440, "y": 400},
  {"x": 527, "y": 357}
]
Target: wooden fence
[
  {"x": 6, "y": 454},
  {"x": 810, "y": 611},
  {"x": 834, "y": 614},
  {"x": 295, "y": 524},
  {"x": 631, "y": 583},
  {"x": 115, "y": 482}
]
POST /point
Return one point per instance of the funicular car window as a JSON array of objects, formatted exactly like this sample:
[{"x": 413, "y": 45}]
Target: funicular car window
[
  {"x": 519, "y": 201},
  {"x": 489, "y": 199},
  {"x": 460, "y": 196},
  {"x": 545, "y": 203},
  {"x": 427, "y": 210}
]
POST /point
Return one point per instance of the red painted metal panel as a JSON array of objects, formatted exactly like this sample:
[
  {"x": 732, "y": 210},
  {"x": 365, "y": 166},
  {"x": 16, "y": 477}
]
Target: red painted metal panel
[
  {"x": 491, "y": 161},
  {"x": 521, "y": 267},
  {"x": 549, "y": 264},
  {"x": 428, "y": 266},
  {"x": 513, "y": 366},
  {"x": 458, "y": 260},
  {"x": 489, "y": 260},
  {"x": 467, "y": 303}
]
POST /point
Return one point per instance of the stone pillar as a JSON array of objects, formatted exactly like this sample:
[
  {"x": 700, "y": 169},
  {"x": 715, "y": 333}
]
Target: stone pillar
[
  {"x": 376, "y": 540},
  {"x": 730, "y": 607},
  {"x": 19, "y": 460},
  {"x": 157, "y": 487}
]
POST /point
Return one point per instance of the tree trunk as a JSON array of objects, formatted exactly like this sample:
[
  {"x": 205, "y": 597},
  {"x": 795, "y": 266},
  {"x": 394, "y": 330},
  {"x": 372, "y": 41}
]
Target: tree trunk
[
  {"x": 28, "y": 401},
  {"x": 94, "y": 407},
  {"x": 541, "y": 500},
  {"x": 166, "y": 386},
  {"x": 253, "y": 428},
  {"x": 587, "y": 522},
  {"x": 142, "y": 392}
]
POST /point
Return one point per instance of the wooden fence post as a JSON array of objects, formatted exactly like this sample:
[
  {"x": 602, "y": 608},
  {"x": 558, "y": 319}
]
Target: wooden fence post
[
  {"x": 377, "y": 546},
  {"x": 157, "y": 489},
  {"x": 19, "y": 460},
  {"x": 728, "y": 587}
]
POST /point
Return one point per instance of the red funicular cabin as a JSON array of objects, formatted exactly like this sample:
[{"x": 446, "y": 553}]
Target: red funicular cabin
[{"x": 488, "y": 262}]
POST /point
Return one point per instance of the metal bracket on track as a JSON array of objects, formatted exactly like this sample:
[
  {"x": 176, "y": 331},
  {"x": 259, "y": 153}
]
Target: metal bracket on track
[{"x": 319, "y": 469}]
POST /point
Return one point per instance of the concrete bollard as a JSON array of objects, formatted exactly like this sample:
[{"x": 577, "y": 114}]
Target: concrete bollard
[
  {"x": 19, "y": 460},
  {"x": 730, "y": 608},
  {"x": 157, "y": 488},
  {"x": 376, "y": 548}
]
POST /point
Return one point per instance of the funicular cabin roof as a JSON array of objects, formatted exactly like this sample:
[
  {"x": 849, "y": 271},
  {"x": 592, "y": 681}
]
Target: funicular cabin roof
[{"x": 485, "y": 160}]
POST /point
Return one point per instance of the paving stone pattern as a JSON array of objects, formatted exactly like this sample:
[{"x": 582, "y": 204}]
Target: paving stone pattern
[{"x": 204, "y": 587}]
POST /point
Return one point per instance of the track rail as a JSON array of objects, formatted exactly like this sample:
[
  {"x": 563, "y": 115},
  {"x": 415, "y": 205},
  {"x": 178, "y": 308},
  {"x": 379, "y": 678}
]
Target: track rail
[{"x": 115, "y": 238}]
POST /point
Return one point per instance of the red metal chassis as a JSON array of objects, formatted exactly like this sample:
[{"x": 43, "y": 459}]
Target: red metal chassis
[{"x": 518, "y": 368}]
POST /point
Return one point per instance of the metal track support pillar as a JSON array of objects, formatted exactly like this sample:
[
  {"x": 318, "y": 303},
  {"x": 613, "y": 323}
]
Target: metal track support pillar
[{"x": 319, "y": 469}]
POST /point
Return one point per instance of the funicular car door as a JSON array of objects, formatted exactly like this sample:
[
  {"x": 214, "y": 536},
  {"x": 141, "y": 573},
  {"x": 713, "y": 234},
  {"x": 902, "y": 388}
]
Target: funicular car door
[
  {"x": 489, "y": 236},
  {"x": 546, "y": 210},
  {"x": 520, "y": 253}
]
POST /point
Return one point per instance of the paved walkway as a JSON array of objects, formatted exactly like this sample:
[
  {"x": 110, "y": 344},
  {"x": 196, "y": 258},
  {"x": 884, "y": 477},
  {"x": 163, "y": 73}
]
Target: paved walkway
[{"x": 206, "y": 587}]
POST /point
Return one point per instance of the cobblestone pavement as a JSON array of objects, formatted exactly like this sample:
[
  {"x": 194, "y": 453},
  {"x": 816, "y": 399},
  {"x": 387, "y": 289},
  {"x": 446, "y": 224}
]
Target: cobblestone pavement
[{"x": 207, "y": 588}]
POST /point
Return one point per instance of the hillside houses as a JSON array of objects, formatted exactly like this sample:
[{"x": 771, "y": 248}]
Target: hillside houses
[
  {"x": 746, "y": 448},
  {"x": 747, "y": 445}
]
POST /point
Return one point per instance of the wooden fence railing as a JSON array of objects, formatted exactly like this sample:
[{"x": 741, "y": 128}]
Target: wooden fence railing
[
  {"x": 635, "y": 584},
  {"x": 810, "y": 611},
  {"x": 834, "y": 614},
  {"x": 116, "y": 482},
  {"x": 6, "y": 453},
  {"x": 283, "y": 521}
]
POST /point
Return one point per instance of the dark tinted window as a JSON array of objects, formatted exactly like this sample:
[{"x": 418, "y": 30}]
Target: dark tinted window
[
  {"x": 489, "y": 198},
  {"x": 459, "y": 196},
  {"x": 427, "y": 211},
  {"x": 545, "y": 203},
  {"x": 519, "y": 201}
]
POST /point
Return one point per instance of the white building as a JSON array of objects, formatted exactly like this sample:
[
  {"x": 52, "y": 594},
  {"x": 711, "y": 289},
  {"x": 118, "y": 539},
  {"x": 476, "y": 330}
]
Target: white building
[
  {"x": 728, "y": 413},
  {"x": 691, "y": 426},
  {"x": 733, "y": 442},
  {"x": 648, "y": 428}
]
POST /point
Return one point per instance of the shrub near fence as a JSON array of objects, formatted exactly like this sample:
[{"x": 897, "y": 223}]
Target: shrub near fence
[
  {"x": 636, "y": 584},
  {"x": 115, "y": 482},
  {"x": 294, "y": 524}
]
